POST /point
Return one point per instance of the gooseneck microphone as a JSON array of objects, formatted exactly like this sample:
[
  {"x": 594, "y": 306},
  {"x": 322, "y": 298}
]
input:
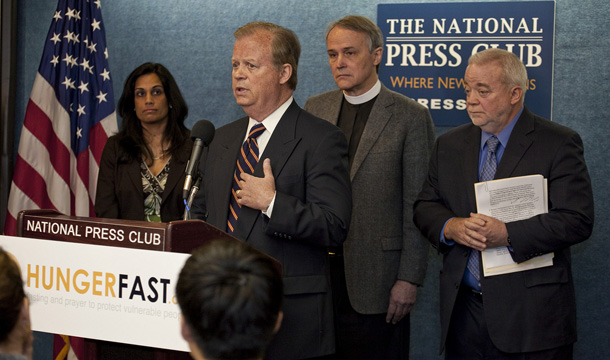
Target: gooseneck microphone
[{"x": 202, "y": 135}]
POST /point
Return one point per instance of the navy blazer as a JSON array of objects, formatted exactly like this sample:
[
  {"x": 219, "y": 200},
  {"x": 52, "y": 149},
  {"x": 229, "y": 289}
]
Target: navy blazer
[
  {"x": 525, "y": 311},
  {"x": 311, "y": 212}
]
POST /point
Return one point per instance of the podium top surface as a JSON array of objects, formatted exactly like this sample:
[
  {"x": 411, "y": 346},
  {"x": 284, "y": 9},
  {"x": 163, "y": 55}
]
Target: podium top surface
[{"x": 175, "y": 236}]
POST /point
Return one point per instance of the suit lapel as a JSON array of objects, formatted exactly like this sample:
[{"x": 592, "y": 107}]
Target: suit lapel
[
  {"x": 135, "y": 175},
  {"x": 330, "y": 107},
  {"x": 518, "y": 143},
  {"x": 178, "y": 163},
  {"x": 468, "y": 156},
  {"x": 224, "y": 167},
  {"x": 278, "y": 150},
  {"x": 378, "y": 118}
]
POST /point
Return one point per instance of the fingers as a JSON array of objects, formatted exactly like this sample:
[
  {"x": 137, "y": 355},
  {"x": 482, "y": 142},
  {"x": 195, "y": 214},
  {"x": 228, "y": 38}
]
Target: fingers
[
  {"x": 475, "y": 234},
  {"x": 476, "y": 244},
  {"x": 390, "y": 316},
  {"x": 267, "y": 168},
  {"x": 466, "y": 231},
  {"x": 476, "y": 221},
  {"x": 482, "y": 217},
  {"x": 396, "y": 312},
  {"x": 257, "y": 192},
  {"x": 402, "y": 297}
]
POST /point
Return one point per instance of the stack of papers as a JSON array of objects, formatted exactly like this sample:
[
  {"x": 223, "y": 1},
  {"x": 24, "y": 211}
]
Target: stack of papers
[{"x": 508, "y": 200}]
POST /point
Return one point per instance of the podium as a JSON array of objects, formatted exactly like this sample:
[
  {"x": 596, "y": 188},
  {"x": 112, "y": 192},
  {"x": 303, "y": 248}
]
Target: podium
[{"x": 175, "y": 236}]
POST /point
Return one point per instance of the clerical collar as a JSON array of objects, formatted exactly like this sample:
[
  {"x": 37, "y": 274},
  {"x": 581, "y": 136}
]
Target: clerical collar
[{"x": 367, "y": 96}]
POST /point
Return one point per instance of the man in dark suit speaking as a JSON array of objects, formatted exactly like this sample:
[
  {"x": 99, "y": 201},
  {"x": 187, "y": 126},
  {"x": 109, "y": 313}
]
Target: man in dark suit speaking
[
  {"x": 292, "y": 204},
  {"x": 383, "y": 261},
  {"x": 522, "y": 315}
]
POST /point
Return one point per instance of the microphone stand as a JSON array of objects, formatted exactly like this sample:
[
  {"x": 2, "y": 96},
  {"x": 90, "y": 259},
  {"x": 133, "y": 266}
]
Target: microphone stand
[{"x": 189, "y": 200}]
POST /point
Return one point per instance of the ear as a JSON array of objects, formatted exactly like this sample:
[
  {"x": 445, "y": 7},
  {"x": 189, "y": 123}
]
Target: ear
[
  {"x": 26, "y": 327},
  {"x": 377, "y": 54},
  {"x": 285, "y": 73},
  {"x": 278, "y": 322},
  {"x": 187, "y": 334},
  {"x": 25, "y": 310},
  {"x": 516, "y": 95},
  {"x": 185, "y": 330}
]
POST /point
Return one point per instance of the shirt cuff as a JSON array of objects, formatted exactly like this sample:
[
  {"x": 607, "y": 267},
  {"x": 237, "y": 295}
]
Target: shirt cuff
[
  {"x": 443, "y": 240},
  {"x": 269, "y": 210}
]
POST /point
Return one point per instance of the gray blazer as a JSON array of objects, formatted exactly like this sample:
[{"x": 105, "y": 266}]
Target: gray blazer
[{"x": 388, "y": 170}]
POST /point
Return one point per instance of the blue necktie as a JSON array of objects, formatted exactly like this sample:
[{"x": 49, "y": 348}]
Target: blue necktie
[
  {"x": 487, "y": 173},
  {"x": 246, "y": 162}
]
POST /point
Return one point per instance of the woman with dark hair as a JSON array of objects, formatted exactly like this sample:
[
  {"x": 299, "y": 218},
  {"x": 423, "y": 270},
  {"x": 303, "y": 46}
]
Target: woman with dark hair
[{"x": 142, "y": 167}]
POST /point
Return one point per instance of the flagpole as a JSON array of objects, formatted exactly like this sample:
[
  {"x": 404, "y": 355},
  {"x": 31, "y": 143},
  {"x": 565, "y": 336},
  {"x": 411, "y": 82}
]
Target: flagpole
[{"x": 8, "y": 54}]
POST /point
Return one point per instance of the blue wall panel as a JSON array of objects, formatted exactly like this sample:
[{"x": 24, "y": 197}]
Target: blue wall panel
[{"x": 194, "y": 39}]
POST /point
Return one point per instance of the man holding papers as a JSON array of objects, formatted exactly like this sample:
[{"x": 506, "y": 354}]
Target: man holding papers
[{"x": 514, "y": 315}]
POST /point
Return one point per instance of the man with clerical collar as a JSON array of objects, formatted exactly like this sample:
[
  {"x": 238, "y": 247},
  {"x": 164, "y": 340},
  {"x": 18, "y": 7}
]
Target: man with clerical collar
[{"x": 376, "y": 273}]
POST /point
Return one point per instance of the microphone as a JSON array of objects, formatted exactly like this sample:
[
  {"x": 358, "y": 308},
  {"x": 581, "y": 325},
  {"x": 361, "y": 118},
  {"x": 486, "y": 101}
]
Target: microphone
[
  {"x": 202, "y": 135},
  {"x": 188, "y": 202}
]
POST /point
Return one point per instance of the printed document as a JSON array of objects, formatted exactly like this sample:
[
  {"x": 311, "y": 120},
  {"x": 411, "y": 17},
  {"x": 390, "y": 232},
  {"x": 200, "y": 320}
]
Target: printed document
[{"x": 512, "y": 199}]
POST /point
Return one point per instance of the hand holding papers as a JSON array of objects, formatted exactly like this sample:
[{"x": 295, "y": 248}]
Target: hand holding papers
[{"x": 507, "y": 200}]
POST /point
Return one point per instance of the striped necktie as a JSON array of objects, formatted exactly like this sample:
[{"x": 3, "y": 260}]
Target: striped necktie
[
  {"x": 246, "y": 162},
  {"x": 487, "y": 173}
]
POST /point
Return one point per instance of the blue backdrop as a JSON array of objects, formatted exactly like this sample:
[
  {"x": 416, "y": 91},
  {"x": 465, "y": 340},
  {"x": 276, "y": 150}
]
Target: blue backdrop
[{"x": 194, "y": 39}]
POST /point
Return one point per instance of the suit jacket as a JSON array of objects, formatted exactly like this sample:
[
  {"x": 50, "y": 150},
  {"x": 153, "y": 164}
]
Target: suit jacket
[
  {"x": 120, "y": 194},
  {"x": 311, "y": 212},
  {"x": 388, "y": 170},
  {"x": 530, "y": 310}
]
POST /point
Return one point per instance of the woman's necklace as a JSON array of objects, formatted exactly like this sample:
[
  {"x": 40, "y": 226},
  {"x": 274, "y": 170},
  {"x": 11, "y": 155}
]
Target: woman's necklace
[{"x": 161, "y": 156}]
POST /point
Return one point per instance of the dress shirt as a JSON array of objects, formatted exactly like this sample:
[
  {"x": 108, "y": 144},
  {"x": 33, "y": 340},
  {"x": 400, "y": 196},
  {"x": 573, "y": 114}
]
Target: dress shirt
[
  {"x": 270, "y": 123},
  {"x": 503, "y": 136}
]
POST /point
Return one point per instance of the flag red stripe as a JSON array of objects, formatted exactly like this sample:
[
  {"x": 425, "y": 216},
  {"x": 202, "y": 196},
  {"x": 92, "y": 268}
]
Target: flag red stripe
[
  {"x": 97, "y": 140},
  {"x": 30, "y": 182},
  {"x": 39, "y": 124},
  {"x": 10, "y": 225},
  {"x": 82, "y": 167}
]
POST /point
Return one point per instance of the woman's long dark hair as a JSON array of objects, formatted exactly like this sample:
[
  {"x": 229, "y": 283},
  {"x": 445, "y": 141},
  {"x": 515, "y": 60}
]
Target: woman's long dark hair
[{"x": 131, "y": 136}]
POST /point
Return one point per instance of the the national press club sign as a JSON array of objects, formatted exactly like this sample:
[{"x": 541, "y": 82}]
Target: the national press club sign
[{"x": 427, "y": 47}]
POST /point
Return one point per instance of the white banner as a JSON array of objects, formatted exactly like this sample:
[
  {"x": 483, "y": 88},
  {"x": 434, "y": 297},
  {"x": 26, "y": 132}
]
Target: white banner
[{"x": 101, "y": 292}]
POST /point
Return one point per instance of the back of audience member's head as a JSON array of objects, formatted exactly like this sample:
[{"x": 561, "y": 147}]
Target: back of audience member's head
[
  {"x": 230, "y": 295},
  {"x": 15, "y": 332}
]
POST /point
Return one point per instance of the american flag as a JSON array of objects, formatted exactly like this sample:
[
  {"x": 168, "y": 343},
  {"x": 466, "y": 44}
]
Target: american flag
[{"x": 68, "y": 119}]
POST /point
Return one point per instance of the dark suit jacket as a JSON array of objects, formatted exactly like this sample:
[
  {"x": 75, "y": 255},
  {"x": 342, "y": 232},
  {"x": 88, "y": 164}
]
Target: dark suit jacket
[
  {"x": 311, "y": 212},
  {"x": 388, "y": 170},
  {"x": 119, "y": 186},
  {"x": 530, "y": 310}
]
